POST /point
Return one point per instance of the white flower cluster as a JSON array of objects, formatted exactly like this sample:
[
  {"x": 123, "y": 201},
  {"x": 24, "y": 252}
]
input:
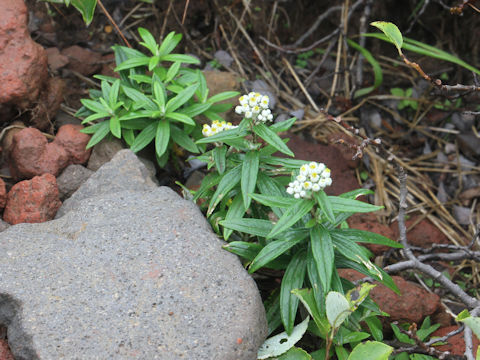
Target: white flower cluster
[
  {"x": 255, "y": 106},
  {"x": 216, "y": 127},
  {"x": 313, "y": 177}
]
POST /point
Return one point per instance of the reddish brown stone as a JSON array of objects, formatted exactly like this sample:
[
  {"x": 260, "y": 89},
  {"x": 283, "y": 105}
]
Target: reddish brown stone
[
  {"x": 55, "y": 59},
  {"x": 31, "y": 155},
  {"x": 456, "y": 344},
  {"x": 74, "y": 142},
  {"x": 23, "y": 63},
  {"x": 369, "y": 222},
  {"x": 3, "y": 194},
  {"x": 48, "y": 104},
  {"x": 32, "y": 201},
  {"x": 82, "y": 60},
  {"x": 5, "y": 353},
  {"x": 405, "y": 307},
  {"x": 424, "y": 234},
  {"x": 342, "y": 175}
]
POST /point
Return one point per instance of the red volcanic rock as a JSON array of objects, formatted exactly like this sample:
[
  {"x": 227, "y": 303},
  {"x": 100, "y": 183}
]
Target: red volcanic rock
[
  {"x": 342, "y": 175},
  {"x": 23, "y": 63},
  {"x": 74, "y": 142},
  {"x": 456, "y": 344},
  {"x": 3, "y": 194},
  {"x": 5, "y": 353},
  {"x": 82, "y": 60},
  {"x": 31, "y": 155},
  {"x": 32, "y": 201},
  {"x": 369, "y": 222},
  {"x": 406, "y": 307},
  {"x": 424, "y": 234}
]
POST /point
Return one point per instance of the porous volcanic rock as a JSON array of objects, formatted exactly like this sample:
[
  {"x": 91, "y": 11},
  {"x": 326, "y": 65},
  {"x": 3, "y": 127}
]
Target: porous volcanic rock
[{"x": 32, "y": 201}]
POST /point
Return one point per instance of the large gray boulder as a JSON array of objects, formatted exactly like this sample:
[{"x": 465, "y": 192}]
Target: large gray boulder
[{"x": 130, "y": 274}]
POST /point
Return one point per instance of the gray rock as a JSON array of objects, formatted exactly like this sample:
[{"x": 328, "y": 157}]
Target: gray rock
[
  {"x": 462, "y": 214},
  {"x": 223, "y": 57},
  {"x": 132, "y": 270},
  {"x": 103, "y": 152},
  {"x": 124, "y": 172},
  {"x": 127, "y": 275},
  {"x": 71, "y": 178},
  {"x": 299, "y": 113}
]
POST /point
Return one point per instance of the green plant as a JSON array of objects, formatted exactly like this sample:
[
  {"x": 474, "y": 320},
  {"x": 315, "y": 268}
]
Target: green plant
[
  {"x": 85, "y": 7},
  {"x": 404, "y": 103},
  {"x": 247, "y": 198},
  {"x": 332, "y": 326},
  {"x": 151, "y": 102},
  {"x": 302, "y": 59}
]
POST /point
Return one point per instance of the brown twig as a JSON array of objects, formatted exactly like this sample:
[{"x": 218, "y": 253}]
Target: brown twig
[{"x": 107, "y": 14}]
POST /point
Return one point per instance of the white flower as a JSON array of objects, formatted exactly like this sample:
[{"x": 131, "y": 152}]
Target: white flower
[
  {"x": 216, "y": 127},
  {"x": 312, "y": 177},
  {"x": 254, "y": 106}
]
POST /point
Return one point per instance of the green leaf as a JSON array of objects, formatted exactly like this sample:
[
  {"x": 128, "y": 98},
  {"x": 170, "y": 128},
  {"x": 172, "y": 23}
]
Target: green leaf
[
  {"x": 271, "y": 188},
  {"x": 223, "y": 96},
  {"x": 273, "y": 250},
  {"x": 375, "y": 326},
  {"x": 229, "y": 180},
  {"x": 94, "y": 106},
  {"x": 257, "y": 227},
  {"x": 292, "y": 279},
  {"x": 377, "y": 70},
  {"x": 182, "y": 97},
  {"x": 472, "y": 322},
  {"x": 364, "y": 237},
  {"x": 180, "y": 117},
  {"x": 169, "y": 43},
  {"x": 144, "y": 138},
  {"x": 101, "y": 130},
  {"x": 235, "y": 211},
  {"x": 140, "y": 99},
  {"x": 404, "y": 338},
  {"x": 340, "y": 204},
  {"x": 283, "y": 125},
  {"x": 308, "y": 300},
  {"x": 341, "y": 352},
  {"x": 159, "y": 92},
  {"x": 325, "y": 204},
  {"x": 115, "y": 127},
  {"x": 219, "y": 156},
  {"x": 372, "y": 350},
  {"x": 182, "y": 139},
  {"x": 222, "y": 136},
  {"x": 202, "y": 91},
  {"x": 113, "y": 95},
  {"x": 274, "y": 201},
  {"x": 133, "y": 63},
  {"x": 281, "y": 343},
  {"x": 195, "y": 109},
  {"x": 162, "y": 137},
  {"x": 86, "y": 8},
  {"x": 128, "y": 136},
  {"x": 337, "y": 308},
  {"x": 323, "y": 255},
  {"x": 272, "y": 138},
  {"x": 249, "y": 175},
  {"x": 295, "y": 354},
  {"x": 208, "y": 182},
  {"x": 173, "y": 71},
  {"x": 392, "y": 32},
  {"x": 148, "y": 40},
  {"x": 291, "y": 216},
  {"x": 187, "y": 59},
  {"x": 246, "y": 250}
]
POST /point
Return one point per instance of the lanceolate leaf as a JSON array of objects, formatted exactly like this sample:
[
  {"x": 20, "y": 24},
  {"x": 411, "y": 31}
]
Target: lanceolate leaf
[
  {"x": 274, "y": 249},
  {"x": 364, "y": 237},
  {"x": 272, "y": 138},
  {"x": 229, "y": 180},
  {"x": 182, "y": 139},
  {"x": 323, "y": 254},
  {"x": 325, "y": 204},
  {"x": 340, "y": 204},
  {"x": 235, "y": 211},
  {"x": 249, "y": 175},
  {"x": 162, "y": 137},
  {"x": 144, "y": 138},
  {"x": 219, "y": 155},
  {"x": 101, "y": 130},
  {"x": 292, "y": 279},
  {"x": 182, "y": 97},
  {"x": 291, "y": 216},
  {"x": 256, "y": 227},
  {"x": 274, "y": 201}
]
